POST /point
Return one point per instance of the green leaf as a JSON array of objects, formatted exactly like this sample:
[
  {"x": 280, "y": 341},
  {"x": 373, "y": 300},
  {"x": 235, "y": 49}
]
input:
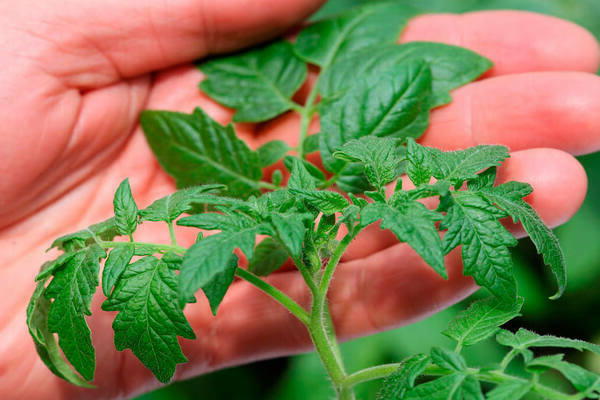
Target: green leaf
[
  {"x": 481, "y": 320},
  {"x": 271, "y": 152},
  {"x": 381, "y": 157},
  {"x": 311, "y": 143},
  {"x": 277, "y": 177},
  {"x": 72, "y": 289},
  {"x": 269, "y": 256},
  {"x": 313, "y": 170},
  {"x": 457, "y": 386},
  {"x": 300, "y": 178},
  {"x": 216, "y": 288},
  {"x": 325, "y": 201},
  {"x": 509, "y": 197},
  {"x": 473, "y": 223},
  {"x": 126, "y": 211},
  {"x": 581, "y": 379},
  {"x": 105, "y": 230},
  {"x": 50, "y": 267},
  {"x": 394, "y": 104},
  {"x": 290, "y": 231},
  {"x": 511, "y": 390},
  {"x": 324, "y": 42},
  {"x": 448, "y": 359},
  {"x": 414, "y": 224},
  {"x": 258, "y": 83},
  {"x": 208, "y": 262},
  {"x": 453, "y": 166},
  {"x": 149, "y": 319},
  {"x": 451, "y": 66},
  {"x": 115, "y": 264},
  {"x": 45, "y": 343},
  {"x": 194, "y": 149},
  {"x": 397, "y": 384},
  {"x": 170, "y": 207},
  {"x": 524, "y": 339},
  {"x": 238, "y": 230}
]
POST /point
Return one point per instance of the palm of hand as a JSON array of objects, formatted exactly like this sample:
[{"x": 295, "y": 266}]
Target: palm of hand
[{"x": 65, "y": 163}]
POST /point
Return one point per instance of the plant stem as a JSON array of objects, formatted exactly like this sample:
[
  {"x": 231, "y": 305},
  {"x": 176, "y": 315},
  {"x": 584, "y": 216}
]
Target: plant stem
[
  {"x": 306, "y": 114},
  {"x": 329, "y": 357},
  {"x": 321, "y": 328},
  {"x": 159, "y": 247},
  {"x": 276, "y": 294},
  {"x": 332, "y": 264},
  {"x": 507, "y": 359},
  {"x": 372, "y": 373},
  {"x": 172, "y": 233},
  {"x": 267, "y": 185}
]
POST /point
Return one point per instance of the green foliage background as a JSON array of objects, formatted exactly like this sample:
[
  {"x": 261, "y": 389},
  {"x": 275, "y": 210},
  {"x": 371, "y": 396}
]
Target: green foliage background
[{"x": 574, "y": 315}]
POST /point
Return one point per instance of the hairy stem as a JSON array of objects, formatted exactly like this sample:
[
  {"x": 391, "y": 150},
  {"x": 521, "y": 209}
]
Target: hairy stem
[
  {"x": 276, "y": 294},
  {"x": 172, "y": 233},
  {"x": 507, "y": 359},
  {"x": 306, "y": 114},
  {"x": 372, "y": 373},
  {"x": 321, "y": 328},
  {"x": 159, "y": 247},
  {"x": 267, "y": 185}
]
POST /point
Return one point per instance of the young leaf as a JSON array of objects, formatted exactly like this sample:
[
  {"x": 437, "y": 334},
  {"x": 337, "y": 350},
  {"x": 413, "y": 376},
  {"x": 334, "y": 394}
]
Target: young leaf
[
  {"x": 290, "y": 231},
  {"x": 481, "y": 320},
  {"x": 258, "y": 83},
  {"x": 126, "y": 211},
  {"x": 72, "y": 289},
  {"x": 195, "y": 149},
  {"x": 300, "y": 178},
  {"x": 581, "y": 379},
  {"x": 269, "y": 256},
  {"x": 311, "y": 143},
  {"x": 451, "y": 66},
  {"x": 473, "y": 222},
  {"x": 324, "y": 42},
  {"x": 105, "y": 230},
  {"x": 216, "y": 288},
  {"x": 115, "y": 264},
  {"x": 524, "y": 339},
  {"x": 381, "y": 158},
  {"x": 45, "y": 343},
  {"x": 448, "y": 359},
  {"x": 454, "y": 386},
  {"x": 414, "y": 224},
  {"x": 170, "y": 207},
  {"x": 397, "y": 384},
  {"x": 393, "y": 104},
  {"x": 313, "y": 170},
  {"x": 208, "y": 262},
  {"x": 509, "y": 197},
  {"x": 511, "y": 390},
  {"x": 271, "y": 152},
  {"x": 453, "y": 166},
  {"x": 149, "y": 319},
  {"x": 50, "y": 267}
]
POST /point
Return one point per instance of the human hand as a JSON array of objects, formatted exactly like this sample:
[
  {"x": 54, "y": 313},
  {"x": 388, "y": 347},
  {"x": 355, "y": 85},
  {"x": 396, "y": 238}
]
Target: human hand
[{"x": 91, "y": 154}]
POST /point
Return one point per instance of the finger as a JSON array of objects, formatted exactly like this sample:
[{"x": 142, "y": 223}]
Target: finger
[
  {"x": 516, "y": 41},
  {"x": 100, "y": 42},
  {"x": 544, "y": 109}
]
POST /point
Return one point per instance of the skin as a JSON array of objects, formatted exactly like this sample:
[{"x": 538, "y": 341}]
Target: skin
[{"x": 75, "y": 78}]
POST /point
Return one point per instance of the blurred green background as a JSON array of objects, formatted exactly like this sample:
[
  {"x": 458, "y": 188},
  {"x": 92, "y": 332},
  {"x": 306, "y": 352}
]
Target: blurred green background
[{"x": 574, "y": 315}]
